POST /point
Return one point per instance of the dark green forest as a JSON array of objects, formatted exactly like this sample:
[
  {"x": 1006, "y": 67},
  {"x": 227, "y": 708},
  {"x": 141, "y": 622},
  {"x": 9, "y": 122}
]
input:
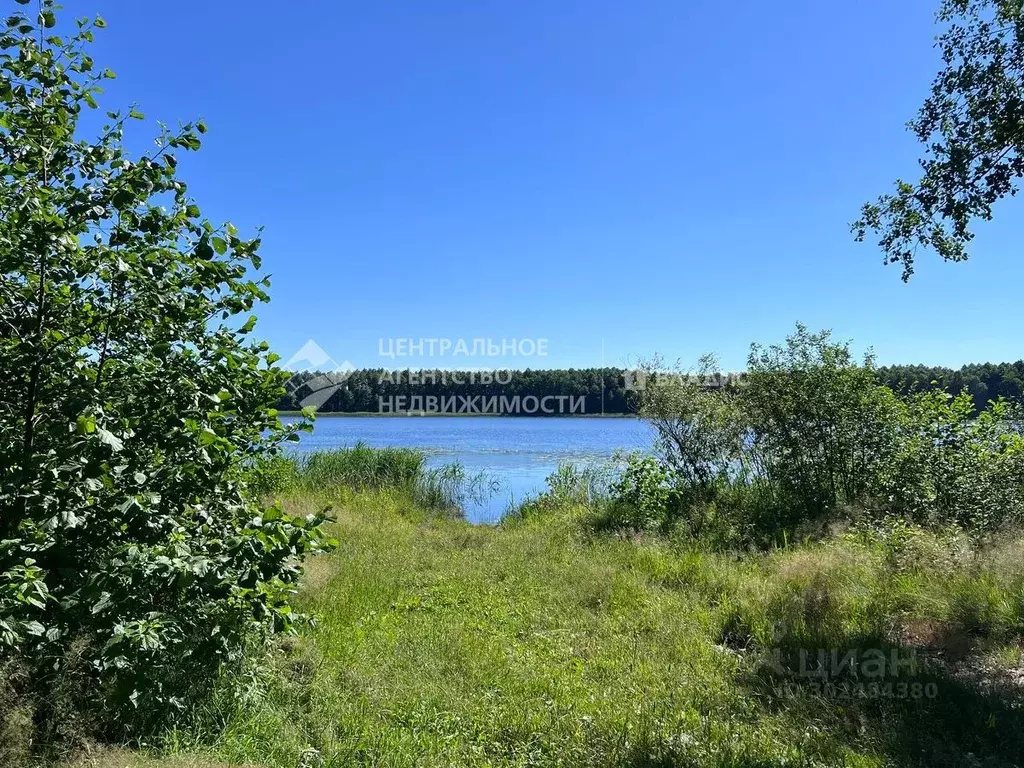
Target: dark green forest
[
  {"x": 984, "y": 381},
  {"x": 379, "y": 390}
]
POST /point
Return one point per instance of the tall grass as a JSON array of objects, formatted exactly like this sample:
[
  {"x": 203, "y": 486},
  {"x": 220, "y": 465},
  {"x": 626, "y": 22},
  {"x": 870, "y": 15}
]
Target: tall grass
[
  {"x": 361, "y": 467},
  {"x": 397, "y": 471},
  {"x": 569, "y": 486}
]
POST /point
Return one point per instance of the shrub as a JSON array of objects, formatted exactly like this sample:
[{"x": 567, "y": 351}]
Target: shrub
[
  {"x": 809, "y": 437},
  {"x": 700, "y": 433},
  {"x": 270, "y": 475},
  {"x": 805, "y": 432},
  {"x": 643, "y": 498},
  {"x": 134, "y": 404},
  {"x": 955, "y": 467},
  {"x": 819, "y": 424}
]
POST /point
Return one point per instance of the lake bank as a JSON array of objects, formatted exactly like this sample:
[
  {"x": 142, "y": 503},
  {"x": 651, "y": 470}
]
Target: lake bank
[{"x": 517, "y": 453}]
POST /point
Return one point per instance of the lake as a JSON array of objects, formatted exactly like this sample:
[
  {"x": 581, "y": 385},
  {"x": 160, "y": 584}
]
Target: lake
[{"x": 516, "y": 452}]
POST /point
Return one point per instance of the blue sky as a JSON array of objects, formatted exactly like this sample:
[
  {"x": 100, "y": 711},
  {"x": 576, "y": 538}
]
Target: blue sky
[{"x": 642, "y": 177}]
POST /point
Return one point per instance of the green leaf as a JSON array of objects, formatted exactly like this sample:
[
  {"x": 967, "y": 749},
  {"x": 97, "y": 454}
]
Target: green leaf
[
  {"x": 203, "y": 250},
  {"x": 146, "y": 362},
  {"x": 102, "y": 604},
  {"x": 110, "y": 439}
]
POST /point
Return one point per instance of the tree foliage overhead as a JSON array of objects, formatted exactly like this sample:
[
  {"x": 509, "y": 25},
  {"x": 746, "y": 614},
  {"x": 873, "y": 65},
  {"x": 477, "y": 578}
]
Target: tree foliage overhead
[
  {"x": 972, "y": 125},
  {"x": 133, "y": 401}
]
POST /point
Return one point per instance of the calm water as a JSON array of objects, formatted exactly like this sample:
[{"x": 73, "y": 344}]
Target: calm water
[{"x": 519, "y": 453}]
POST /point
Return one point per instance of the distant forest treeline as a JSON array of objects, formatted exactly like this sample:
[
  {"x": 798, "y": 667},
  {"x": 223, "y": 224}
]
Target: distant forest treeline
[
  {"x": 985, "y": 381},
  {"x": 365, "y": 390}
]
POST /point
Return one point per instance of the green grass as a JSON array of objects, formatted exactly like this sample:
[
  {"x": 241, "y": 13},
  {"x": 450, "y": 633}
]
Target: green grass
[
  {"x": 361, "y": 467},
  {"x": 391, "y": 472},
  {"x": 439, "y": 643}
]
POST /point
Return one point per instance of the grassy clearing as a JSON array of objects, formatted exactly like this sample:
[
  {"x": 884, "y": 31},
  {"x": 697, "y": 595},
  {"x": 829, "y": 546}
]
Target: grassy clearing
[{"x": 440, "y": 643}]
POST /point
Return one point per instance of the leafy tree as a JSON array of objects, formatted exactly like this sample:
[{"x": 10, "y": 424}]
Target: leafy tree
[
  {"x": 957, "y": 465},
  {"x": 972, "y": 125},
  {"x": 821, "y": 421},
  {"x": 699, "y": 436},
  {"x": 810, "y": 435},
  {"x": 133, "y": 402}
]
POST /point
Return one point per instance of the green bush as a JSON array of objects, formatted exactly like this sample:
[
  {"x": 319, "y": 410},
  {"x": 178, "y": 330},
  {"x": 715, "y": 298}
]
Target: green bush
[
  {"x": 810, "y": 438},
  {"x": 701, "y": 437},
  {"x": 820, "y": 428},
  {"x": 271, "y": 475},
  {"x": 955, "y": 467},
  {"x": 642, "y": 497},
  {"x": 134, "y": 405}
]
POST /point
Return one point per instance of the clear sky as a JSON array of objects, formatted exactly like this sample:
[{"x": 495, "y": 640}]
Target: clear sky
[{"x": 651, "y": 176}]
